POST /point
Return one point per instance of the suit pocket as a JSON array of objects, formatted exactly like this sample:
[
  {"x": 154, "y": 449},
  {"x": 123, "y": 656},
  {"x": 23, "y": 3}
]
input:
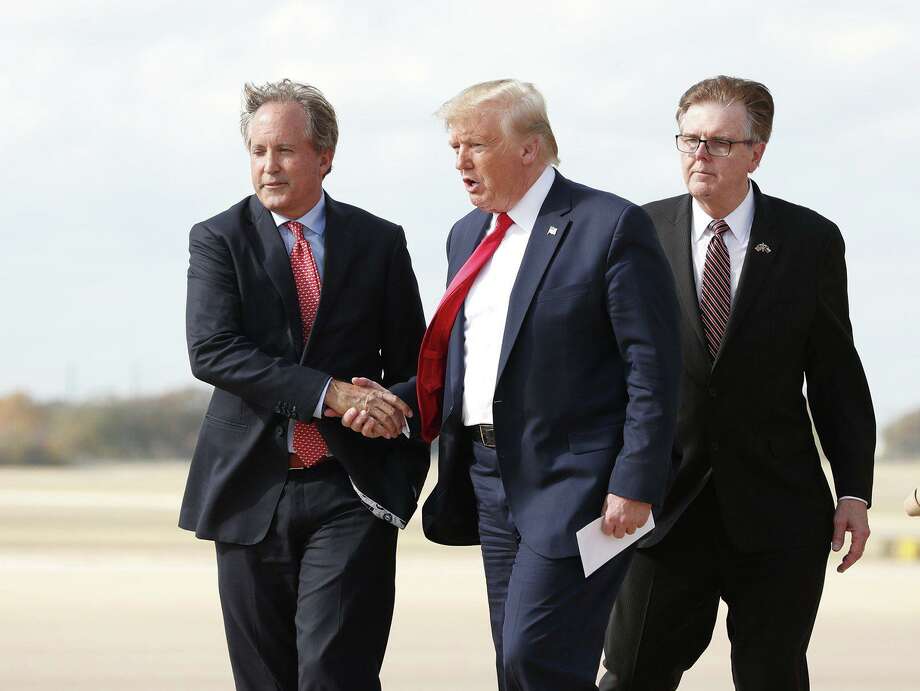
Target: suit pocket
[
  {"x": 559, "y": 292},
  {"x": 596, "y": 439},
  {"x": 215, "y": 421},
  {"x": 791, "y": 444}
]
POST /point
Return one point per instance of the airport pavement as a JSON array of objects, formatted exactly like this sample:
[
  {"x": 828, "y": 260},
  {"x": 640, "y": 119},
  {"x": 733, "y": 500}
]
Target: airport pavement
[{"x": 99, "y": 590}]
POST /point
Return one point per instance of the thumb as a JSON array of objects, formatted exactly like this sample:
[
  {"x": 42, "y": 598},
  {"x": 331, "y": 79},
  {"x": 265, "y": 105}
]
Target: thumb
[
  {"x": 365, "y": 382},
  {"x": 840, "y": 527}
]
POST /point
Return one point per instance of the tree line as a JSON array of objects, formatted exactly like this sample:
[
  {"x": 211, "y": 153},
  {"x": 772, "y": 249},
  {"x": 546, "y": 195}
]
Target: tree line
[{"x": 166, "y": 427}]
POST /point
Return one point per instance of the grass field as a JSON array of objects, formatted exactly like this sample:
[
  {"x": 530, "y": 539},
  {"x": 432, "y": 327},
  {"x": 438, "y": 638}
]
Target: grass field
[{"x": 99, "y": 590}]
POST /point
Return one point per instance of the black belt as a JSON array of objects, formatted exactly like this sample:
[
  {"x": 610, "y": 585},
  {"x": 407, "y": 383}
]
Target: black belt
[{"x": 483, "y": 434}]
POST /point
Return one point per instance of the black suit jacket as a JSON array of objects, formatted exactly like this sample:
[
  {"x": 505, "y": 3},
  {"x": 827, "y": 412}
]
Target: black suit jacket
[
  {"x": 246, "y": 338},
  {"x": 743, "y": 420},
  {"x": 586, "y": 390}
]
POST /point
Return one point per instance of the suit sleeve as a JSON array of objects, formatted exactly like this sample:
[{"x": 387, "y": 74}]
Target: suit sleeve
[
  {"x": 221, "y": 354},
  {"x": 838, "y": 393},
  {"x": 643, "y": 310}
]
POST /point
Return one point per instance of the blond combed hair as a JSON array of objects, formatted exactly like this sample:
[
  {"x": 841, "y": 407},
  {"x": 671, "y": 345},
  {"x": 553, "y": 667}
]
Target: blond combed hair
[{"x": 522, "y": 109}]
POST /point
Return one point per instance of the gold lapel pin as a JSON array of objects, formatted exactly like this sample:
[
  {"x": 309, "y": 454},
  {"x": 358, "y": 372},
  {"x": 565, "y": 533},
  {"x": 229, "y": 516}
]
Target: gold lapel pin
[{"x": 552, "y": 230}]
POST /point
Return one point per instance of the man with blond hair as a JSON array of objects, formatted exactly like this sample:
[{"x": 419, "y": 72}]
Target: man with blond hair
[
  {"x": 749, "y": 518},
  {"x": 291, "y": 294},
  {"x": 550, "y": 371}
]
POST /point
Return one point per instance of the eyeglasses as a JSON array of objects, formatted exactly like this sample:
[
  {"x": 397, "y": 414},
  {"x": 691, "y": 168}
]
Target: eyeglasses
[{"x": 714, "y": 147}]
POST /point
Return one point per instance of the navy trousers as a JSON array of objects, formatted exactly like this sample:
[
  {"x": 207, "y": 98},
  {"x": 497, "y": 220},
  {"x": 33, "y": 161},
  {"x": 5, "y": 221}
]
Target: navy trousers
[
  {"x": 548, "y": 620},
  {"x": 309, "y": 608}
]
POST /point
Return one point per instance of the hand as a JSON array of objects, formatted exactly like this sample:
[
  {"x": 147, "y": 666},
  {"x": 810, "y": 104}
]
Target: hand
[
  {"x": 624, "y": 516},
  {"x": 852, "y": 516},
  {"x": 386, "y": 412}
]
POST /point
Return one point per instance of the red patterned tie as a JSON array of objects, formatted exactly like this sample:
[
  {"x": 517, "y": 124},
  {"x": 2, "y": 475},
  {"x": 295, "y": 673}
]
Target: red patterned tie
[
  {"x": 432, "y": 359},
  {"x": 309, "y": 445},
  {"x": 716, "y": 292}
]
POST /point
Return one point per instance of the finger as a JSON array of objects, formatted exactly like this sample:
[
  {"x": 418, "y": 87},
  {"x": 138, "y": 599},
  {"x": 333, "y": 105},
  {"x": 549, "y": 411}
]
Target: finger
[
  {"x": 396, "y": 402},
  {"x": 619, "y": 531},
  {"x": 349, "y": 417},
  {"x": 329, "y": 412},
  {"x": 371, "y": 429},
  {"x": 390, "y": 423},
  {"x": 366, "y": 383},
  {"x": 631, "y": 528},
  {"x": 840, "y": 527},
  {"x": 608, "y": 525}
]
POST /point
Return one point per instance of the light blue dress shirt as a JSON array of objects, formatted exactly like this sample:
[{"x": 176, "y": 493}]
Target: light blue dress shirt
[{"x": 314, "y": 232}]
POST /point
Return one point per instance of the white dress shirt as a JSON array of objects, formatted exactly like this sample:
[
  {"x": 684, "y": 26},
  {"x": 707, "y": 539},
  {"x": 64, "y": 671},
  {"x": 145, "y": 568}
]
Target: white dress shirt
[
  {"x": 736, "y": 242},
  {"x": 736, "y": 239},
  {"x": 486, "y": 306}
]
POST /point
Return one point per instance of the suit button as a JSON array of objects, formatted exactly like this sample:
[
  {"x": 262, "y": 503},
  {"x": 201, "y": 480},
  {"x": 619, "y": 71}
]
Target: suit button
[
  {"x": 279, "y": 431},
  {"x": 712, "y": 392}
]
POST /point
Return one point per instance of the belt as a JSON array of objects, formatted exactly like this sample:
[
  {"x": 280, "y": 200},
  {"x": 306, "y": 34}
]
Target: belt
[{"x": 483, "y": 434}]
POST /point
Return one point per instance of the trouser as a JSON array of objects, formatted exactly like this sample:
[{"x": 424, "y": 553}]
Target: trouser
[
  {"x": 309, "y": 607},
  {"x": 666, "y": 611},
  {"x": 547, "y": 619}
]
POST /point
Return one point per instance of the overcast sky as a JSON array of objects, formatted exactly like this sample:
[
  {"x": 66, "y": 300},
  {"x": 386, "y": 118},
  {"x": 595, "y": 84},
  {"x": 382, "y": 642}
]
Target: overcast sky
[{"x": 121, "y": 122}]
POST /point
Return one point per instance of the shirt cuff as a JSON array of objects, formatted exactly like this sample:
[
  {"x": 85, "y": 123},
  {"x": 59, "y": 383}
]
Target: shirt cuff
[
  {"x": 318, "y": 410},
  {"x": 855, "y": 498}
]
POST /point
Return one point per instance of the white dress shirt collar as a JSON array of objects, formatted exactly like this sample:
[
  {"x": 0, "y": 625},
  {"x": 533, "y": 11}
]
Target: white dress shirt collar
[
  {"x": 314, "y": 219},
  {"x": 525, "y": 212},
  {"x": 739, "y": 220}
]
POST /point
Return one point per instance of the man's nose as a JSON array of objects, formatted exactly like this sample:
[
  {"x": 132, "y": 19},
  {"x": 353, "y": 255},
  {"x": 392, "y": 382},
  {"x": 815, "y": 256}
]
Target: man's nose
[
  {"x": 271, "y": 162},
  {"x": 463, "y": 159},
  {"x": 701, "y": 152}
]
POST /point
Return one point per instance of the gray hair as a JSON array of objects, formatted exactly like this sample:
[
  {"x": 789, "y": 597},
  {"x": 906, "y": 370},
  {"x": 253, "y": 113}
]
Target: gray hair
[
  {"x": 523, "y": 111},
  {"x": 322, "y": 127}
]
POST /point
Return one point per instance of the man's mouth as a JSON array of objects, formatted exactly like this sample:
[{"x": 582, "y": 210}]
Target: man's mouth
[
  {"x": 273, "y": 185},
  {"x": 470, "y": 184}
]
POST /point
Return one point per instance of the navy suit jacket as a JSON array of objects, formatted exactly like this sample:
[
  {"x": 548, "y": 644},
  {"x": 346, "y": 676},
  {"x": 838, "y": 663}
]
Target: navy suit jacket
[
  {"x": 586, "y": 392},
  {"x": 246, "y": 338}
]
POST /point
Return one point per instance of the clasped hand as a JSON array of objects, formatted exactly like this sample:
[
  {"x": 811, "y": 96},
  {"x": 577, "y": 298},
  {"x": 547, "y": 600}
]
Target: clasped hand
[
  {"x": 624, "y": 516},
  {"x": 367, "y": 408}
]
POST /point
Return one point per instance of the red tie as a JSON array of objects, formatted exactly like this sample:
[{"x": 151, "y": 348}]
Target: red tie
[
  {"x": 309, "y": 445},
  {"x": 432, "y": 359},
  {"x": 716, "y": 291}
]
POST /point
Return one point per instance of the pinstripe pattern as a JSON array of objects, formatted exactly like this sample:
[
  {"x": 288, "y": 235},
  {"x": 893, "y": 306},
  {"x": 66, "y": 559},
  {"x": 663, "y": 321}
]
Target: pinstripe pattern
[{"x": 716, "y": 292}]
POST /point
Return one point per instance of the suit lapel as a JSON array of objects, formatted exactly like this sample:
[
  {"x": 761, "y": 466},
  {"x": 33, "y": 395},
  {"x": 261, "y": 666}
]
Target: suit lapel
[
  {"x": 757, "y": 266},
  {"x": 677, "y": 247},
  {"x": 340, "y": 248},
  {"x": 541, "y": 246},
  {"x": 462, "y": 246},
  {"x": 277, "y": 265}
]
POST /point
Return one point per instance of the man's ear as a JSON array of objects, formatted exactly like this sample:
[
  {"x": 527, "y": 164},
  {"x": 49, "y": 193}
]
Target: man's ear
[
  {"x": 530, "y": 150},
  {"x": 757, "y": 151},
  {"x": 325, "y": 160}
]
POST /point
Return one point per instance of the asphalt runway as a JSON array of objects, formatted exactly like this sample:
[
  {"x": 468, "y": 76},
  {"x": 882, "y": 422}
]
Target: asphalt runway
[{"x": 99, "y": 590}]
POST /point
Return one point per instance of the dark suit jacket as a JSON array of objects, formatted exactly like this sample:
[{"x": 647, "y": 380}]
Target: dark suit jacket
[
  {"x": 246, "y": 338},
  {"x": 742, "y": 419},
  {"x": 586, "y": 391}
]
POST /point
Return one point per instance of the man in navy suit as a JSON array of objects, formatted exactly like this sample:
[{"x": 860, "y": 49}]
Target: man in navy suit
[
  {"x": 560, "y": 389},
  {"x": 289, "y": 293}
]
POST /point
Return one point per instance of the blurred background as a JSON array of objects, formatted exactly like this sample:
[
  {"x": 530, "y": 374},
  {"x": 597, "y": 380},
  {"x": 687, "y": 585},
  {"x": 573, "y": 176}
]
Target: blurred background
[{"x": 122, "y": 131}]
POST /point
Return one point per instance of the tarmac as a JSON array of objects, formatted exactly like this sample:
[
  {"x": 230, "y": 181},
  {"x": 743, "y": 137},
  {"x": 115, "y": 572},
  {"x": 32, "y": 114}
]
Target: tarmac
[{"x": 100, "y": 590}]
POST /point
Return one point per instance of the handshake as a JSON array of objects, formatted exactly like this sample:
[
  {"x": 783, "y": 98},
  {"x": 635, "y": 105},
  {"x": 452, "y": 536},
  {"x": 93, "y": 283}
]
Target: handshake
[{"x": 367, "y": 408}]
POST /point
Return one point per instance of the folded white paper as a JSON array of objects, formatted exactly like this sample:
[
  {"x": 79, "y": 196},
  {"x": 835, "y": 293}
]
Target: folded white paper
[{"x": 597, "y": 549}]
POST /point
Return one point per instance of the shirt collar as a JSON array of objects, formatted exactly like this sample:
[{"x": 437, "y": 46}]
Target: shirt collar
[
  {"x": 314, "y": 219},
  {"x": 525, "y": 212},
  {"x": 739, "y": 220}
]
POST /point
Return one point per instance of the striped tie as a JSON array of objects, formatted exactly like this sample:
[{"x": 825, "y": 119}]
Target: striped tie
[{"x": 716, "y": 293}]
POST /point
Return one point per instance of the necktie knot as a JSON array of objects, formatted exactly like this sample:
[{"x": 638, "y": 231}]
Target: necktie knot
[
  {"x": 718, "y": 227},
  {"x": 503, "y": 223},
  {"x": 296, "y": 227}
]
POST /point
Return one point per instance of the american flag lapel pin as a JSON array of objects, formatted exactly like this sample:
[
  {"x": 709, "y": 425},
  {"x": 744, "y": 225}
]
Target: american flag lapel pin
[
  {"x": 552, "y": 230},
  {"x": 763, "y": 247}
]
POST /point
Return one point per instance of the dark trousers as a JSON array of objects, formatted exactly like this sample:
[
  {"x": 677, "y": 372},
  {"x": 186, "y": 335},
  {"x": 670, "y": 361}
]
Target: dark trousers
[
  {"x": 309, "y": 608},
  {"x": 547, "y": 619},
  {"x": 666, "y": 611}
]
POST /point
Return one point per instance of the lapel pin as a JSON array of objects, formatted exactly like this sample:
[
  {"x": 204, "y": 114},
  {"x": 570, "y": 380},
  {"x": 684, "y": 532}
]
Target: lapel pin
[
  {"x": 552, "y": 230},
  {"x": 763, "y": 247}
]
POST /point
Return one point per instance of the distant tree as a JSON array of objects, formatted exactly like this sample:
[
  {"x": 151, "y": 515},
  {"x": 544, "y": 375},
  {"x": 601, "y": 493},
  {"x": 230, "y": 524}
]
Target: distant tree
[
  {"x": 902, "y": 437},
  {"x": 24, "y": 432}
]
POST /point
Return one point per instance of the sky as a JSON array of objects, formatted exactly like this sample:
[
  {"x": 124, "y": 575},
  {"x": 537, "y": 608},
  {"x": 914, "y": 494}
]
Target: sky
[{"x": 122, "y": 132}]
